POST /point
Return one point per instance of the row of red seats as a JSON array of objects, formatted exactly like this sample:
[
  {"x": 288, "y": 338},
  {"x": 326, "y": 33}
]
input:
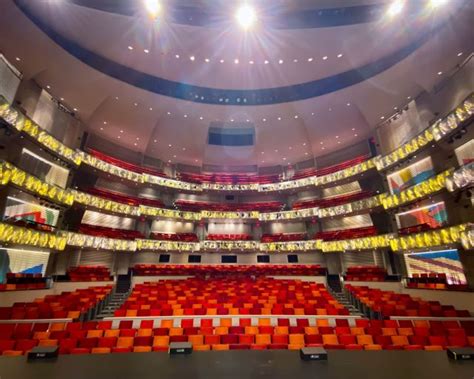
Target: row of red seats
[
  {"x": 414, "y": 229},
  {"x": 335, "y": 235},
  {"x": 229, "y": 178},
  {"x": 102, "y": 231},
  {"x": 23, "y": 281},
  {"x": 25, "y": 223},
  {"x": 100, "y": 337},
  {"x": 438, "y": 286},
  {"x": 183, "y": 237},
  {"x": 388, "y": 303},
  {"x": 64, "y": 305},
  {"x": 267, "y": 206},
  {"x": 220, "y": 270},
  {"x": 283, "y": 237},
  {"x": 126, "y": 165},
  {"x": 333, "y": 201},
  {"x": 125, "y": 199},
  {"x": 229, "y": 237},
  {"x": 330, "y": 169},
  {"x": 197, "y": 296},
  {"x": 89, "y": 274},
  {"x": 366, "y": 273}
]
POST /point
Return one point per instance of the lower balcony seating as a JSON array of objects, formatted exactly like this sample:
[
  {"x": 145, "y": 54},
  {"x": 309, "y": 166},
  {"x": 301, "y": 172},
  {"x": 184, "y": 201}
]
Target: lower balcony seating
[
  {"x": 125, "y": 199},
  {"x": 330, "y": 169},
  {"x": 235, "y": 296},
  {"x": 64, "y": 305},
  {"x": 333, "y": 201},
  {"x": 196, "y": 206},
  {"x": 283, "y": 237},
  {"x": 101, "y": 231},
  {"x": 221, "y": 270},
  {"x": 229, "y": 237},
  {"x": 89, "y": 274},
  {"x": 99, "y": 337},
  {"x": 183, "y": 237},
  {"x": 388, "y": 303},
  {"x": 126, "y": 165},
  {"x": 414, "y": 229},
  {"x": 366, "y": 274},
  {"x": 25, "y": 223},
  {"x": 335, "y": 235},
  {"x": 21, "y": 282},
  {"x": 434, "y": 281},
  {"x": 229, "y": 178}
]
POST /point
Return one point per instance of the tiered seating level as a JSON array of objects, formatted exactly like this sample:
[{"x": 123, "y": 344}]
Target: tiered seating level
[
  {"x": 184, "y": 237},
  {"x": 229, "y": 237},
  {"x": 269, "y": 206},
  {"x": 221, "y": 270},
  {"x": 335, "y": 235},
  {"x": 89, "y": 274},
  {"x": 333, "y": 201},
  {"x": 434, "y": 281},
  {"x": 64, "y": 305},
  {"x": 229, "y": 178},
  {"x": 366, "y": 273},
  {"x": 19, "y": 282},
  {"x": 125, "y": 199},
  {"x": 330, "y": 169},
  {"x": 283, "y": 237},
  {"x": 230, "y": 296},
  {"x": 101, "y": 231},
  {"x": 388, "y": 303},
  {"x": 207, "y": 334}
]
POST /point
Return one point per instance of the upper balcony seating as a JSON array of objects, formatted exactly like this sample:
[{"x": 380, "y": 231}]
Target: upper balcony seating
[
  {"x": 89, "y": 274},
  {"x": 196, "y": 206},
  {"x": 388, "y": 303},
  {"x": 333, "y": 201},
  {"x": 434, "y": 281},
  {"x": 229, "y": 237},
  {"x": 183, "y": 237},
  {"x": 21, "y": 282},
  {"x": 366, "y": 274},
  {"x": 125, "y": 199},
  {"x": 64, "y": 305},
  {"x": 283, "y": 237},
  {"x": 330, "y": 169},
  {"x": 126, "y": 165},
  {"x": 229, "y": 178},
  {"x": 336, "y": 235},
  {"x": 100, "y": 337},
  {"x": 25, "y": 223},
  {"x": 220, "y": 270},
  {"x": 415, "y": 229},
  {"x": 101, "y": 231},
  {"x": 236, "y": 295}
]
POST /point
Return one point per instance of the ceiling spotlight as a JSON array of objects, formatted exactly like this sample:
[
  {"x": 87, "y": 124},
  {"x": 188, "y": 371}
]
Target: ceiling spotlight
[
  {"x": 279, "y": 118},
  {"x": 310, "y": 59},
  {"x": 153, "y": 8},
  {"x": 236, "y": 61},
  {"x": 296, "y": 116},
  {"x": 75, "y": 109},
  {"x": 264, "y": 119},
  {"x": 251, "y": 62},
  {"x": 395, "y": 8},
  {"x": 246, "y": 16},
  {"x": 192, "y": 58},
  {"x": 440, "y": 73},
  {"x": 18, "y": 59},
  {"x": 339, "y": 55},
  {"x": 280, "y": 61},
  {"x": 48, "y": 86},
  {"x": 459, "y": 54},
  {"x": 437, "y": 3},
  {"x": 201, "y": 118},
  {"x": 130, "y": 47},
  {"x": 207, "y": 60},
  {"x": 348, "y": 104},
  {"x": 177, "y": 56},
  {"x": 325, "y": 57},
  {"x": 266, "y": 62},
  {"x": 146, "y": 51},
  {"x": 295, "y": 60},
  {"x": 382, "y": 118}
]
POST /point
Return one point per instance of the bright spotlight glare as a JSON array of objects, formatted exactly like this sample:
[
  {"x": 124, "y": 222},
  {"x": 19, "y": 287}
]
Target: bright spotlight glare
[
  {"x": 246, "y": 16},
  {"x": 153, "y": 7},
  {"x": 437, "y": 3},
  {"x": 395, "y": 8}
]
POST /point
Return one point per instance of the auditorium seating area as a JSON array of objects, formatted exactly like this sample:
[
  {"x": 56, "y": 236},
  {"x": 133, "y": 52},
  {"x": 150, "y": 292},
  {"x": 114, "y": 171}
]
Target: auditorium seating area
[
  {"x": 183, "y": 237},
  {"x": 228, "y": 178},
  {"x": 434, "y": 281},
  {"x": 365, "y": 274},
  {"x": 269, "y": 206},
  {"x": 125, "y": 199},
  {"x": 415, "y": 229},
  {"x": 229, "y": 237},
  {"x": 283, "y": 237},
  {"x": 21, "y": 282},
  {"x": 387, "y": 303},
  {"x": 223, "y": 296},
  {"x": 330, "y": 169},
  {"x": 102, "y": 231},
  {"x": 65, "y": 305},
  {"x": 208, "y": 334},
  {"x": 89, "y": 274},
  {"x": 224, "y": 270},
  {"x": 335, "y": 235},
  {"x": 333, "y": 201}
]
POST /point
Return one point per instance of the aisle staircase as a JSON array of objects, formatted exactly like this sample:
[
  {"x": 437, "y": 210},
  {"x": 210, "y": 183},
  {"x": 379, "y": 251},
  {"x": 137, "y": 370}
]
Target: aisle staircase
[
  {"x": 119, "y": 296},
  {"x": 336, "y": 290}
]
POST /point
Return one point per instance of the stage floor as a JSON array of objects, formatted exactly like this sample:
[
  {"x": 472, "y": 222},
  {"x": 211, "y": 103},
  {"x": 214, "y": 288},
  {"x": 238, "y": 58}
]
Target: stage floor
[{"x": 274, "y": 364}]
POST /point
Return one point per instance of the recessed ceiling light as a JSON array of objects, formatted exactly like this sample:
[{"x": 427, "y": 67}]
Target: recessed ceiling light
[
  {"x": 185, "y": 116},
  {"x": 325, "y": 57},
  {"x": 48, "y": 86},
  {"x": 174, "y": 156},
  {"x": 348, "y": 104},
  {"x": 101, "y": 128},
  {"x": 289, "y": 148},
  {"x": 155, "y": 141},
  {"x": 355, "y": 135},
  {"x": 246, "y": 16},
  {"x": 169, "y": 160},
  {"x": 75, "y": 109},
  {"x": 62, "y": 99},
  {"x": 304, "y": 143},
  {"x": 170, "y": 145},
  {"x": 207, "y": 60},
  {"x": 276, "y": 150},
  {"x": 321, "y": 143},
  {"x": 295, "y": 60},
  {"x": 280, "y": 61},
  {"x": 284, "y": 158},
  {"x": 121, "y": 131},
  {"x": 339, "y": 55},
  {"x": 312, "y": 113},
  {"x": 279, "y": 118},
  {"x": 231, "y": 120},
  {"x": 116, "y": 97},
  {"x": 440, "y": 73},
  {"x": 266, "y": 62},
  {"x": 236, "y": 61},
  {"x": 337, "y": 137},
  {"x": 264, "y": 120},
  {"x": 262, "y": 152},
  {"x": 168, "y": 113},
  {"x": 18, "y": 59},
  {"x": 201, "y": 118},
  {"x": 146, "y": 51},
  {"x": 118, "y": 137},
  {"x": 177, "y": 56},
  {"x": 251, "y": 62},
  {"x": 395, "y": 8},
  {"x": 130, "y": 47},
  {"x": 136, "y": 104},
  {"x": 192, "y": 57},
  {"x": 330, "y": 109},
  {"x": 323, "y": 148},
  {"x": 195, "y": 160},
  {"x": 150, "y": 108},
  {"x": 135, "y": 144},
  {"x": 222, "y": 61},
  {"x": 459, "y": 54},
  {"x": 296, "y": 116},
  {"x": 408, "y": 97},
  {"x": 339, "y": 142},
  {"x": 395, "y": 108},
  {"x": 105, "y": 122},
  {"x": 184, "y": 149},
  {"x": 306, "y": 153},
  {"x": 353, "y": 129},
  {"x": 138, "y": 139},
  {"x": 247, "y": 120},
  {"x": 310, "y": 59},
  {"x": 383, "y": 117}
]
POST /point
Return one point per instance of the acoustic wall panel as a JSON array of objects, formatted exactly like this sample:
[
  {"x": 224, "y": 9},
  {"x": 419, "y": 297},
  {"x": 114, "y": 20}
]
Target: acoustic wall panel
[
  {"x": 465, "y": 153},
  {"x": 43, "y": 169},
  {"x": 343, "y": 189},
  {"x": 358, "y": 258},
  {"x": 411, "y": 175},
  {"x": 109, "y": 221},
  {"x": 17, "y": 209},
  {"x": 342, "y": 223},
  {"x": 97, "y": 258},
  {"x": 433, "y": 215}
]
